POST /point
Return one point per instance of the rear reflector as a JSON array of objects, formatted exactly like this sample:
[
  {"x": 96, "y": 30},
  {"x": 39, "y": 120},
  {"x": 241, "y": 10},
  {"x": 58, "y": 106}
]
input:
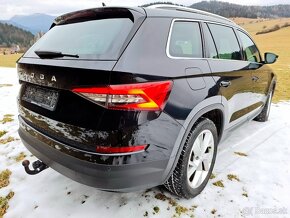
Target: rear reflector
[
  {"x": 112, "y": 150},
  {"x": 138, "y": 96}
]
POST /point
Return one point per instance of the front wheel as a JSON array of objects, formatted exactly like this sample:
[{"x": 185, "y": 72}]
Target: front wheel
[{"x": 196, "y": 161}]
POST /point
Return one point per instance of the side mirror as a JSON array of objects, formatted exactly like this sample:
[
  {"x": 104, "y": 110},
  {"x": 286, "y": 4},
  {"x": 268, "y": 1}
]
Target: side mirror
[{"x": 270, "y": 58}]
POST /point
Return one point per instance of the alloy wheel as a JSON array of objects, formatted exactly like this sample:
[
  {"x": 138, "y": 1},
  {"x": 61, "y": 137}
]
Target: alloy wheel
[{"x": 200, "y": 159}]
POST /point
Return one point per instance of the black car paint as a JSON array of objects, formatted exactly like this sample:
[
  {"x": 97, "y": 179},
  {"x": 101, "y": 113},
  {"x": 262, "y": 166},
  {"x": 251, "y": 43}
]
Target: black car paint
[{"x": 65, "y": 139}]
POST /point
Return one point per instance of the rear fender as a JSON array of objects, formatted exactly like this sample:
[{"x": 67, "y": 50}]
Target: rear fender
[{"x": 203, "y": 107}]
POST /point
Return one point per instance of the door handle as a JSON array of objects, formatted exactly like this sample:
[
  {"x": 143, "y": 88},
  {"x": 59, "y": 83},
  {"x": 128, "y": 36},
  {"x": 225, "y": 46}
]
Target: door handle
[
  {"x": 225, "y": 83},
  {"x": 255, "y": 78}
]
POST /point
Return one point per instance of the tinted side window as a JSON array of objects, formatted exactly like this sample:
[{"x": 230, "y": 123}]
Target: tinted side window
[
  {"x": 210, "y": 46},
  {"x": 226, "y": 42},
  {"x": 250, "y": 50},
  {"x": 185, "y": 40}
]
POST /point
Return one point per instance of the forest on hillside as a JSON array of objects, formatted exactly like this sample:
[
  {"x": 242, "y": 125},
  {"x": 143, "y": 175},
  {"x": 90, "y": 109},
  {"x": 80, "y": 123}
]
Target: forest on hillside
[
  {"x": 234, "y": 10},
  {"x": 11, "y": 36}
]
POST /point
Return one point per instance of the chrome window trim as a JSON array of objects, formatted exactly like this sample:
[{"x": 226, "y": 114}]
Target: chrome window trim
[
  {"x": 199, "y": 21},
  {"x": 169, "y": 38}
]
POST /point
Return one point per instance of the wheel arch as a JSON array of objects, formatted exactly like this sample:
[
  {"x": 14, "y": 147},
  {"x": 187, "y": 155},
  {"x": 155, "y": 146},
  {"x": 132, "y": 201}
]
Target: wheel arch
[{"x": 206, "y": 108}]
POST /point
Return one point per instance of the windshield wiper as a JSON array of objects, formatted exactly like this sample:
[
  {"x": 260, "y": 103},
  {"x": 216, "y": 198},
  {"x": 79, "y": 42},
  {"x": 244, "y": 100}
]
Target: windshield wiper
[{"x": 54, "y": 54}]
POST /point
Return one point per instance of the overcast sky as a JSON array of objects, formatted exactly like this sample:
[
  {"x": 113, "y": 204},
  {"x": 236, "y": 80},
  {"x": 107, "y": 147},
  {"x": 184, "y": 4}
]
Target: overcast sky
[{"x": 9, "y": 8}]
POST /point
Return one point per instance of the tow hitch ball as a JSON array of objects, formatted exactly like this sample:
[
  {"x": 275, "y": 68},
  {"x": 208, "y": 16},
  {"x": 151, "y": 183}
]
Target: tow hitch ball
[{"x": 37, "y": 166}]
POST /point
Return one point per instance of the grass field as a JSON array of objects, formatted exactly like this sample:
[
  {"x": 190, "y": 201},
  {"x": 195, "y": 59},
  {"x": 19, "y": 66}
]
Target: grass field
[
  {"x": 9, "y": 60},
  {"x": 277, "y": 42}
]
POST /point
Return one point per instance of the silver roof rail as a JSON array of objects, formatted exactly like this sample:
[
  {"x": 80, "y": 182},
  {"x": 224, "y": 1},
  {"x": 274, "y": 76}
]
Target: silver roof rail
[{"x": 186, "y": 9}]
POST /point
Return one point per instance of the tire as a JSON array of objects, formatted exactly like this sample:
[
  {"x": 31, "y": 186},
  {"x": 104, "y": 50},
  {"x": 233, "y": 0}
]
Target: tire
[
  {"x": 264, "y": 115},
  {"x": 185, "y": 181}
]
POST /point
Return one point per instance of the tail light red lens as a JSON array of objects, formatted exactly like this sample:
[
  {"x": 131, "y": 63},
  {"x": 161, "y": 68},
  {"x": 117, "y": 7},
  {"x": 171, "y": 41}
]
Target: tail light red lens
[
  {"x": 113, "y": 150},
  {"x": 138, "y": 96}
]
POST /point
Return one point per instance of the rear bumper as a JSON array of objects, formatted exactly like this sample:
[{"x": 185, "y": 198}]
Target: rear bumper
[{"x": 81, "y": 166}]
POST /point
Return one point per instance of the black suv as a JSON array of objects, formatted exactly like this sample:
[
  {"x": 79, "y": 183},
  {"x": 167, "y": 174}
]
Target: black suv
[{"x": 124, "y": 98}]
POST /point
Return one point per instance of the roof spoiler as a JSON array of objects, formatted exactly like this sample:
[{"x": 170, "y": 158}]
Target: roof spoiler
[{"x": 98, "y": 13}]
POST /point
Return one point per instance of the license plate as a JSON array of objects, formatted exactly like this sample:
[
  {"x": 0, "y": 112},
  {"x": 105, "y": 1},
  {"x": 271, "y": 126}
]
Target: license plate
[{"x": 42, "y": 97}]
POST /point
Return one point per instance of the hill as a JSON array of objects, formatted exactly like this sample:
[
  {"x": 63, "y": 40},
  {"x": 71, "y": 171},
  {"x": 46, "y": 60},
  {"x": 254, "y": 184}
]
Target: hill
[
  {"x": 11, "y": 35},
  {"x": 234, "y": 10},
  {"x": 33, "y": 23}
]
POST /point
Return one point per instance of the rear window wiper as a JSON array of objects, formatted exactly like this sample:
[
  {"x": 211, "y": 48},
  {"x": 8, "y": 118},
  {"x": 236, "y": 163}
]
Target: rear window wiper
[{"x": 53, "y": 54}]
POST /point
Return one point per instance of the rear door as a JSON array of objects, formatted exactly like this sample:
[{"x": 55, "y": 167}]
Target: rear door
[
  {"x": 231, "y": 73},
  {"x": 185, "y": 43}
]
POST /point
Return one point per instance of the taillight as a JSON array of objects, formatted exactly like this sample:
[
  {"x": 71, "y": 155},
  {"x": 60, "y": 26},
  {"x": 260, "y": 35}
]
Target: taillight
[
  {"x": 114, "y": 150},
  {"x": 138, "y": 96}
]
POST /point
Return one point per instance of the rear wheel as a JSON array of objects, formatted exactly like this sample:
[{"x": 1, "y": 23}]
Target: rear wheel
[
  {"x": 196, "y": 161},
  {"x": 264, "y": 115}
]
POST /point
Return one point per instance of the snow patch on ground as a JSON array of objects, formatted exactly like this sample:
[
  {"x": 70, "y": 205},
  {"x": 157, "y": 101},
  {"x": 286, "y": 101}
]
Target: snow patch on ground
[{"x": 264, "y": 176}]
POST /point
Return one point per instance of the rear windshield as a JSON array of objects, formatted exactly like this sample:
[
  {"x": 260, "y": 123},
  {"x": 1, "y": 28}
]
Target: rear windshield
[{"x": 93, "y": 39}]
